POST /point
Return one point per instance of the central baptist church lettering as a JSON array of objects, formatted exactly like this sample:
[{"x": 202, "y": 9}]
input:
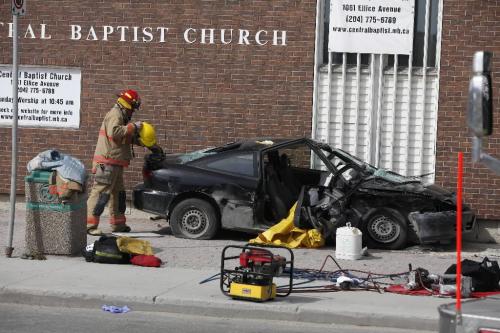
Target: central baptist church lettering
[{"x": 134, "y": 34}]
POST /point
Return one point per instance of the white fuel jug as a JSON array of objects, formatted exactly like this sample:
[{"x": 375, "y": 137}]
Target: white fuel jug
[{"x": 348, "y": 243}]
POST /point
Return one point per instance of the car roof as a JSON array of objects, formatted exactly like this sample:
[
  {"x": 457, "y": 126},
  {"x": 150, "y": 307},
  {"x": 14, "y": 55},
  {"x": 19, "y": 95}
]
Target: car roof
[{"x": 257, "y": 144}]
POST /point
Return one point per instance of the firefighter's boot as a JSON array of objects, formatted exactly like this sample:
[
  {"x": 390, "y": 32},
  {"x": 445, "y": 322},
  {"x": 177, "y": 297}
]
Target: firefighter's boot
[
  {"x": 93, "y": 230},
  {"x": 92, "y": 223},
  {"x": 120, "y": 228}
]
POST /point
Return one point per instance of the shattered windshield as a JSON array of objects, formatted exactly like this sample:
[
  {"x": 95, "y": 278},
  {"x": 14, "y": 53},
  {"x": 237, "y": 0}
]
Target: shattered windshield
[
  {"x": 195, "y": 155},
  {"x": 384, "y": 174},
  {"x": 394, "y": 177}
]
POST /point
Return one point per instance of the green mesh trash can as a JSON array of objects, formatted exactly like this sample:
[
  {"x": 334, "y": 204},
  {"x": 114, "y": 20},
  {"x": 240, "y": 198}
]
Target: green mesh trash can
[{"x": 53, "y": 226}]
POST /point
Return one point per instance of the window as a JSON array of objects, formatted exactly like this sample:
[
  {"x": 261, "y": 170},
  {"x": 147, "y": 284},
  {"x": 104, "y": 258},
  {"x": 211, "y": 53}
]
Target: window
[
  {"x": 296, "y": 160},
  {"x": 195, "y": 155},
  {"x": 242, "y": 164},
  {"x": 418, "y": 38},
  {"x": 298, "y": 156}
]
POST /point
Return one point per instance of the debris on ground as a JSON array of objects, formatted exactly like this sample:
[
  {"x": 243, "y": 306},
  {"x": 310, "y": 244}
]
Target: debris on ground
[
  {"x": 285, "y": 233},
  {"x": 115, "y": 309}
]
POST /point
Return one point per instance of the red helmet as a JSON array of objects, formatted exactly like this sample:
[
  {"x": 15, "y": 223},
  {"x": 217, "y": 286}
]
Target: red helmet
[{"x": 129, "y": 99}]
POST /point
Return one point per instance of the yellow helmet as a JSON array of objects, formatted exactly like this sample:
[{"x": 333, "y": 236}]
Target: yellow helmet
[{"x": 147, "y": 135}]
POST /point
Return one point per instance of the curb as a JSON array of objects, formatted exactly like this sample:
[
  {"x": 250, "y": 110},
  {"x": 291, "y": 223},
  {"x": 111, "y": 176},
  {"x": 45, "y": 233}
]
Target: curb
[{"x": 241, "y": 309}]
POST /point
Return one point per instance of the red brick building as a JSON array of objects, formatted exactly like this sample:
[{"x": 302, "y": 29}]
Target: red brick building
[
  {"x": 468, "y": 26},
  {"x": 210, "y": 72}
]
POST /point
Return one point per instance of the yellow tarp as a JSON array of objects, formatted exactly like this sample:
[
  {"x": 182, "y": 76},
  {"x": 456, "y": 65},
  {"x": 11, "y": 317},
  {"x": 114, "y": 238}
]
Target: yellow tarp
[
  {"x": 134, "y": 246},
  {"x": 286, "y": 234}
]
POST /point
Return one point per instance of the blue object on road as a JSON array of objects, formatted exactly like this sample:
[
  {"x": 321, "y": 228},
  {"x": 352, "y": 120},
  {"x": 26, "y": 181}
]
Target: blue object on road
[{"x": 115, "y": 309}]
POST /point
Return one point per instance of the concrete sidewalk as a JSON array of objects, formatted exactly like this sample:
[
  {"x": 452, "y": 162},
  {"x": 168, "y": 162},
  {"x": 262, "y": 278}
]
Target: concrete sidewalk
[
  {"x": 72, "y": 282},
  {"x": 76, "y": 283}
]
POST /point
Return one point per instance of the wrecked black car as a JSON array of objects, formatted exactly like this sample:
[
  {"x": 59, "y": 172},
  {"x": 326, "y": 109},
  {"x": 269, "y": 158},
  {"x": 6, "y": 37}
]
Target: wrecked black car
[{"x": 251, "y": 185}]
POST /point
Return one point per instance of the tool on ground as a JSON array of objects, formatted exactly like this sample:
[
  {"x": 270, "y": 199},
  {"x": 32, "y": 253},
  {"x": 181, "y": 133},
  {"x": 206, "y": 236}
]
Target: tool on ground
[
  {"x": 420, "y": 279},
  {"x": 444, "y": 285},
  {"x": 448, "y": 285},
  {"x": 345, "y": 282},
  {"x": 257, "y": 266}
]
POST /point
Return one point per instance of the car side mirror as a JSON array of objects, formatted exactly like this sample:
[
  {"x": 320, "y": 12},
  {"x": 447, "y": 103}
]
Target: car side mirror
[{"x": 480, "y": 108}]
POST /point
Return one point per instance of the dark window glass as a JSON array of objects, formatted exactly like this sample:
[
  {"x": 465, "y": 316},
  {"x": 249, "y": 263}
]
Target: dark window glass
[{"x": 242, "y": 164}]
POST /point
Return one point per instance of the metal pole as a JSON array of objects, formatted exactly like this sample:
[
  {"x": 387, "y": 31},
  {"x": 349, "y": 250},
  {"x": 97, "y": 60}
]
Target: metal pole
[
  {"x": 9, "y": 249},
  {"x": 458, "y": 294}
]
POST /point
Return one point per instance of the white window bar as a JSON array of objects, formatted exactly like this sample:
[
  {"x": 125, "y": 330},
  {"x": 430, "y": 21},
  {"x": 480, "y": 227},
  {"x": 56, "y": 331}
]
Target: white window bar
[
  {"x": 329, "y": 98},
  {"x": 393, "y": 114},
  {"x": 408, "y": 122},
  {"x": 371, "y": 102},
  {"x": 317, "y": 61},
  {"x": 438, "y": 69},
  {"x": 379, "y": 109},
  {"x": 424, "y": 83},
  {"x": 356, "y": 121},
  {"x": 342, "y": 99},
  {"x": 438, "y": 36}
]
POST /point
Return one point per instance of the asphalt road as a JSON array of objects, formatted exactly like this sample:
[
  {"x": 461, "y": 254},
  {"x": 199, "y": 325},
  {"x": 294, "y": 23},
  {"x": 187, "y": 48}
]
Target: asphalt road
[{"x": 15, "y": 318}]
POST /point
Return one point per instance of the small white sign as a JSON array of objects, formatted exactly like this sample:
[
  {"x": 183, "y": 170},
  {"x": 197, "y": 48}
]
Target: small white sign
[
  {"x": 47, "y": 97},
  {"x": 19, "y": 7},
  {"x": 371, "y": 26}
]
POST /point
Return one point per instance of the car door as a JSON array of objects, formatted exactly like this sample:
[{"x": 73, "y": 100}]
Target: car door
[
  {"x": 235, "y": 189},
  {"x": 285, "y": 167}
]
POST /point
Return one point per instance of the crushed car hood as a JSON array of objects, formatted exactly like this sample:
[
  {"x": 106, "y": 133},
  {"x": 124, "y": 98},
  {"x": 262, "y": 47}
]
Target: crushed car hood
[{"x": 407, "y": 185}]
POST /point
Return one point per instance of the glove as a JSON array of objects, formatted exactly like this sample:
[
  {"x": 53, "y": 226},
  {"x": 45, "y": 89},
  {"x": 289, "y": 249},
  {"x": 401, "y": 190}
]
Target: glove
[
  {"x": 157, "y": 150},
  {"x": 138, "y": 126}
]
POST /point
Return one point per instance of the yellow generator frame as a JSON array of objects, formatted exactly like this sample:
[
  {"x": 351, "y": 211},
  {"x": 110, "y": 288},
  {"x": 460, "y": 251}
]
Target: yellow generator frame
[{"x": 247, "y": 284}]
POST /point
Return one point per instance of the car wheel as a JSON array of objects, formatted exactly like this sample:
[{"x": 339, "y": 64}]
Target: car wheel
[
  {"x": 385, "y": 229},
  {"x": 195, "y": 219}
]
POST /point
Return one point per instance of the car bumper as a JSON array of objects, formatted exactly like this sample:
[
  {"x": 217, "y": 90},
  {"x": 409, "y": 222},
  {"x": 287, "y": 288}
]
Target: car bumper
[
  {"x": 152, "y": 201},
  {"x": 435, "y": 226}
]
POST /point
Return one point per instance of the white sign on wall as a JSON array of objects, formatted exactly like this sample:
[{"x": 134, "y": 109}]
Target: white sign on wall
[
  {"x": 371, "y": 26},
  {"x": 47, "y": 97}
]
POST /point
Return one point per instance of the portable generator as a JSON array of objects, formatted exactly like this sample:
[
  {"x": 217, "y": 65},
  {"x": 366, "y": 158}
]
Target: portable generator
[{"x": 252, "y": 278}]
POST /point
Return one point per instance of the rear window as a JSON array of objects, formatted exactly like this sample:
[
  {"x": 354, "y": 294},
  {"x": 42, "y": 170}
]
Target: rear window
[
  {"x": 195, "y": 155},
  {"x": 241, "y": 164}
]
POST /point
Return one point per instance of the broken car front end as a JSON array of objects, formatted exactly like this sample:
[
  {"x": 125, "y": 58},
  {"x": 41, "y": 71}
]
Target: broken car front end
[
  {"x": 392, "y": 210},
  {"x": 432, "y": 227}
]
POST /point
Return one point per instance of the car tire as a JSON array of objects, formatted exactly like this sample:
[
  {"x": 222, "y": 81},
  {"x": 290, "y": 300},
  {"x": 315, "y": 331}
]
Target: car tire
[
  {"x": 194, "y": 219},
  {"x": 385, "y": 229}
]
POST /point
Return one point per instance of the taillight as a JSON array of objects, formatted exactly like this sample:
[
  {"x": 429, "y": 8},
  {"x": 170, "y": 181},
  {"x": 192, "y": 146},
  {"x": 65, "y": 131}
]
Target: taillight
[{"x": 488, "y": 330}]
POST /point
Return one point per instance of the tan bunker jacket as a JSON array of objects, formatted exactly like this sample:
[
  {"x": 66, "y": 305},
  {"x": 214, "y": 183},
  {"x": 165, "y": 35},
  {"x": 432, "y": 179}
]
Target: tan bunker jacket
[{"x": 116, "y": 135}]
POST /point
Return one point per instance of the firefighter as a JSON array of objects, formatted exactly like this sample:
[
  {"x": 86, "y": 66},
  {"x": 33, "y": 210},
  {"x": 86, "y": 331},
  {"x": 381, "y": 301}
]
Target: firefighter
[{"x": 112, "y": 154}]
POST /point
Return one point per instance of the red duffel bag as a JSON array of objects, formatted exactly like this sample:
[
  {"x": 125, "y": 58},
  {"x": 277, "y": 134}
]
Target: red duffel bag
[{"x": 145, "y": 260}]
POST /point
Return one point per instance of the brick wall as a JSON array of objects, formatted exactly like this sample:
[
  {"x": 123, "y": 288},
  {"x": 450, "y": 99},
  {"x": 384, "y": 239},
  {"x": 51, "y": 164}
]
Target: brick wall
[
  {"x": 196, "y": 94},
  {"x": 468, "y": 26},
  {"x": 208, "y": 94}
]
